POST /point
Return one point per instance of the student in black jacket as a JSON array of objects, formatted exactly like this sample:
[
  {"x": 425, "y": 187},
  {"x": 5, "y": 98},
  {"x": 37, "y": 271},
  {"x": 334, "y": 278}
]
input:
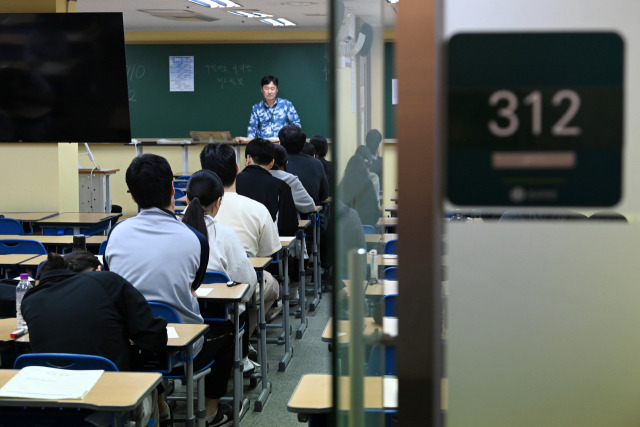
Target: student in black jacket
[
  {"x": 95, "y": 312},
  {"x": 257, "y": 183}
]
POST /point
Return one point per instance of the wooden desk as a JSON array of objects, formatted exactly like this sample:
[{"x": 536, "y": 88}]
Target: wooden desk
[
  {"x": 28, "y": 216},
  {"x": 232, "y": 295},
  {"x": 385, "y": 287},
  {"x": 259, "y": 264},
  {"x": 6, "y": 327},
  {"x": 94, "y": 221},
  {"x": 392, "y": 209},
  {"x": 114, "y": 391},
  {"x": 11, "y": 260},
  {"x": 384, "y": 261},
  {"x": 370, "y": 328},
  {"x": 380, "y": 238},
  {"x": 33, "y": 262},
  {"x": 188, "y": 334},
  {"x": 313, "y": 394},
  {"x": 387, "y": 224}
]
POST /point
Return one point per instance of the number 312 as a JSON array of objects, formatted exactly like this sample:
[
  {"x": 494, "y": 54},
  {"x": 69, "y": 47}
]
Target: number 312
[{"x": 534, "y": 99}]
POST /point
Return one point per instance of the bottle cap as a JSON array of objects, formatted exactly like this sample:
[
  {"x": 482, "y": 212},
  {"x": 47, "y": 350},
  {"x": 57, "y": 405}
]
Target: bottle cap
[{"x": 24, "y": 276}]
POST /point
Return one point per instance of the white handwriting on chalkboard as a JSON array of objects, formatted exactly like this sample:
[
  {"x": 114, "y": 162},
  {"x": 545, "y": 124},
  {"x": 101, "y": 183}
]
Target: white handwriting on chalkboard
[
  {"x": 136, "y": 71},
  {"x": 227, "y": 75},
  {"x": 132, "y": 95}
]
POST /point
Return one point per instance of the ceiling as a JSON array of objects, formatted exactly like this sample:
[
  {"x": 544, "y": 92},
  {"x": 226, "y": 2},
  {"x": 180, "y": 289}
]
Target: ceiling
[{"x": 309, "y": 15}]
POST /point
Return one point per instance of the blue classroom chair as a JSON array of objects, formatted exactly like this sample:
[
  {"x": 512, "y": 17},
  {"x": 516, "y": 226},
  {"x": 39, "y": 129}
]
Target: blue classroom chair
[
  {"x": 391, "y": 273},
  {"x": 65, "y": 361},
  {"x": 10, "y": 246},
  {"x": 11, "y": 226},
  {"x": 391, "y": 247}
]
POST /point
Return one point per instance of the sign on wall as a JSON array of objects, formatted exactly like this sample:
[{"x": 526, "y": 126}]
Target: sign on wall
[{"x": 535, "y": 119}]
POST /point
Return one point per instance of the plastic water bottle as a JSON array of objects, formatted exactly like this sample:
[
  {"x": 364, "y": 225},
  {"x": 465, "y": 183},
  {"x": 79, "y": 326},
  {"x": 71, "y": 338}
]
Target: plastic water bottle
[{"x": 23, "y": 286}]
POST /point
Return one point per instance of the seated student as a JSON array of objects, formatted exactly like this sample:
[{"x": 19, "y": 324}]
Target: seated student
[
  {"x": 321, "y": 146},
  {"x": 226, "y": 253},
  {"x": 373, "y": 140},
  {"x": 166, "y": 261},
  {"x": 76, "y": 309},
  {"x": 249, "y": 219},
  {"x": 356, "y": 191},
  {"x": 363, "y": 152},
  {"x": 258, "y": 184},
  {"x": 308, "y": 169},
  {"x": 308, "y": 149},
  {"x": 303, "y": 201}
]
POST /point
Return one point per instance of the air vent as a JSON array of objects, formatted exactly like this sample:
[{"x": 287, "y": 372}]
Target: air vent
[{"x": 178, "y": 15}]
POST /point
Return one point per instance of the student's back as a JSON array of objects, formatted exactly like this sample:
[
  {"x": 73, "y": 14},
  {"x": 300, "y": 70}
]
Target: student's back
[{"x": 90, "y": 313}]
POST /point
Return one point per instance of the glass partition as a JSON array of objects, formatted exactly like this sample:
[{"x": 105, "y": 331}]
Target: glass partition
[{"x": 364, "y": 153}]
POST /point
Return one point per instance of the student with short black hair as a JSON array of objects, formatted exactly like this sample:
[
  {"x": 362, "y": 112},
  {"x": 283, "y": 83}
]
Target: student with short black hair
[
  {"x": 257, "y": 183},
  {"x": 303, "y": 201},
  {"x": 321, "y": 146},
  {"x": 166, "y": 261},
  {"x": 308, "y": 169}
]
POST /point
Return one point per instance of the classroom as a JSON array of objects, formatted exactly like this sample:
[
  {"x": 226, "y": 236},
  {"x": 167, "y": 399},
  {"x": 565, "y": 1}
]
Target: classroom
[{"x": 503, "y": 323}]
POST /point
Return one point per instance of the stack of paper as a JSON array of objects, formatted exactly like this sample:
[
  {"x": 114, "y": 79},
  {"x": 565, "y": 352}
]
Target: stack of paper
[{"x": 37, "y": 382}]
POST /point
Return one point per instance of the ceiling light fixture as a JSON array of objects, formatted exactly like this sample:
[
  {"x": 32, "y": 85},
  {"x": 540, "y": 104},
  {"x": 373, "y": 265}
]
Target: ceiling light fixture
[
  {"x": 393, "y": 1},
  {"x": 215, "y": 3},
  {"x": 278, "y": 22},
  {"x": 298, "y": 3},
  {"x": 246, "y": 14}
]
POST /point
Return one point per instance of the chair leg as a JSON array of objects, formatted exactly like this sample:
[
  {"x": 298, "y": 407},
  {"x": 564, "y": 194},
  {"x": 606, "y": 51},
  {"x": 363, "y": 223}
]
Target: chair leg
[{"x": 201, "y": 408}]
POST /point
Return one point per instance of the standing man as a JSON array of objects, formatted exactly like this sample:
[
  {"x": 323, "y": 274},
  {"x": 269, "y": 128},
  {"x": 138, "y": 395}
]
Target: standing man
[{"x": 270, "y": 115}]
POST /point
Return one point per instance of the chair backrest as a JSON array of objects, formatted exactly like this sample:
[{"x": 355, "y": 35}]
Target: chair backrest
[
  {"x": 390, "y": 305},
  {"x": 65, "y": 361},
  {"x": 211, "y": 276},
  {"x": 391, "y": 247},
  {"x": 10, "y": 226},
  {"x": 180, "y": 183},
  {"x": 369, "y": 229},
  {"x": 165, "y": 311},
  {"x": 9, "y": 246},
  {"x": 391, "y": 273},
  {"x": 102, "y": 248}
]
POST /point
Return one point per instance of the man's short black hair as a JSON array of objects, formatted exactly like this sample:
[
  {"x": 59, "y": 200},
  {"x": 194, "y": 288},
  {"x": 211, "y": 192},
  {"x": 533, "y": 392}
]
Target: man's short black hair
[
  {"x": 292, "y": 138},
  {"x": 373, "y": 139},
  {"x": 261, "y": 151},
  {"x": 321, "y": 145},
  {"x": 269, "y": 79},
  {"x": 221, "y": 159},
  {"x": 150, "y": 181},
  {"x": 280, "y": 157}
]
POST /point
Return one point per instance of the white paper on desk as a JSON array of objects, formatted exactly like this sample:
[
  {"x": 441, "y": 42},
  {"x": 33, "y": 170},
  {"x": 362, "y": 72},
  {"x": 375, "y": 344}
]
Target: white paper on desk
[
  {"x": 390, "y": 391},
  {"x": 390, "y": 256},
  {"x": 171, "y": 332},
  {"x": 203, "y": 292},
  {"x": 37, "y": 382},
  {"x": 390, "y": 326}
]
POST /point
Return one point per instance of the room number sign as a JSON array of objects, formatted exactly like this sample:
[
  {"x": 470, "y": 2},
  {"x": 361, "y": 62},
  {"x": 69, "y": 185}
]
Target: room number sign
[{"x": 535, "y": 119}]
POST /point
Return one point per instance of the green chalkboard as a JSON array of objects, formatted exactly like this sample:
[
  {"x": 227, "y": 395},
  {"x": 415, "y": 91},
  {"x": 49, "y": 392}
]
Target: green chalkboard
[{"x": 226, "y": 85}]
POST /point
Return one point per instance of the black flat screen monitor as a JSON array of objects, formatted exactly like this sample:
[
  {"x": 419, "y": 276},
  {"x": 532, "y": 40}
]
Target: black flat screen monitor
[{"x": 63, "y": 78}]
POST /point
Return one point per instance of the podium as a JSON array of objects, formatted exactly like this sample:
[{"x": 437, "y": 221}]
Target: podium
[{"x": 95, "y": 189}]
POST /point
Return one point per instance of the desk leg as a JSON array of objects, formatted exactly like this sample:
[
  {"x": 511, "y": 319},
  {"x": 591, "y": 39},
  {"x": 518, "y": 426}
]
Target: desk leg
[
  {"x": 288, "y": 350},
  {"x": 316, "y": 266},
  {"x": 237, "y": 368},
  {"x": 185, "y": 159},
  {"x": 262, "y": 334},
  {"x": 190, "y": 417},
  {"x": 302, "y": 290}
]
